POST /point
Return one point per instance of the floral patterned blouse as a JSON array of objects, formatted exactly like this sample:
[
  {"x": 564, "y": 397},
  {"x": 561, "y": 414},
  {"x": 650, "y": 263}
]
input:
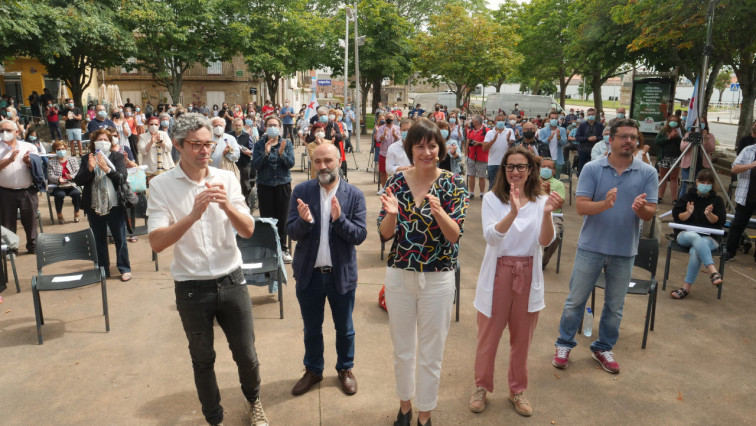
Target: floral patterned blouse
[{"x": 419, "y": 245}]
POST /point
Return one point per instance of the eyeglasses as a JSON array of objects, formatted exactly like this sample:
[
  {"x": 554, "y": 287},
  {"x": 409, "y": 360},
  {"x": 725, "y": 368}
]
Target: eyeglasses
[
  {"x": 196, "y": 146},
  {"x": 519, "y": 167},
  {"x": 628, "y": 137}
]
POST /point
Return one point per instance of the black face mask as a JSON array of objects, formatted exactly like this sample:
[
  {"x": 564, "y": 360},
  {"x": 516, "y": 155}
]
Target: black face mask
[
  {"x": 389, "y": 121},
  {"x": 382, "y": 121},
  {"x": 437, "y": 109},
  {"x": 117, "y": 115},
  {"x": 528, "y": 134}
]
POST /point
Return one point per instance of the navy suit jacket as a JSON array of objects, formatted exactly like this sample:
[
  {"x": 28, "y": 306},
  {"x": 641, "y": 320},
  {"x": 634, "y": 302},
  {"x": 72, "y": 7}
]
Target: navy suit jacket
[{"x": 346, "y": 232}]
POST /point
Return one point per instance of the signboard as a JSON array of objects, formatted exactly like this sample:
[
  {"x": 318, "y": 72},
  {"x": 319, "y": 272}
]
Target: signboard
[
  {"x": 324, "y": 82},
  {"x": 652, "y": 102},
  {"x": 734, "y": 87},
  {"x": 240, "y": 73},
  {"x": 253, "y": 90}
]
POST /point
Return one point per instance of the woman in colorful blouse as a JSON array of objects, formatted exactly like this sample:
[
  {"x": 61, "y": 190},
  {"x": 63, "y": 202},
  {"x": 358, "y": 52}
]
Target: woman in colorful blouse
[
  {"x": 517, "y": 225},
  {"x": 60, "y": 172},
  {"x": 424, "y": 212}
]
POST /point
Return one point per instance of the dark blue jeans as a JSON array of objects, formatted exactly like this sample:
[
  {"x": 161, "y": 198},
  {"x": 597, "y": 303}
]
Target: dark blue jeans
[
  {"x": 227, "y": 301},
  {"x": 60, "y": 196},
  {"x": 312, "y": 304},
  {"x": 116, "y": 221}
]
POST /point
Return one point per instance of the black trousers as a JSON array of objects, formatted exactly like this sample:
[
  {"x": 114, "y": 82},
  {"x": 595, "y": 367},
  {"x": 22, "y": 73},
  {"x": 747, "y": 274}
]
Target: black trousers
[
  {"x": 274, "y": 202},
  {"x": 738, "y": 225},
  {"x": 12, "y": 200}
]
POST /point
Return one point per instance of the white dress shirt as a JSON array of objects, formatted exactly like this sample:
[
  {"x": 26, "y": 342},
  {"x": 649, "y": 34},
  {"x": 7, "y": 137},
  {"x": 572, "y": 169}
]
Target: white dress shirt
[
  {"x": 17, "y": 174},
  {"x": 324, "y": 248},
  {"x": 208, "y": 248},
  {"x": 396, "y": 157},
  {"x": 222, "y": 142}
]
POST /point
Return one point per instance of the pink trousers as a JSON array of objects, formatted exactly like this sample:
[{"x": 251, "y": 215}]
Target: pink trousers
[{"x": 510, "y": 307}]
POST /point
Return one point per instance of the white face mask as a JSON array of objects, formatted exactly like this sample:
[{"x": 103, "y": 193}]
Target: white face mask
[
  {"x": 8, "y": 136},
  {"x": 153, "y": 128},
  {"x": 102, "y": 145},
  {"x": 114, "y": 140},
  {"x": 331, "y": 117},
  {"x": 218, "y": 130},
  {"x": 320, "y": 134}
]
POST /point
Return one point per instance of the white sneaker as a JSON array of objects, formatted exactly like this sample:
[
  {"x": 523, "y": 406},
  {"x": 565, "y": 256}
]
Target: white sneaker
[
  {"x": 286, "y": 257},
  {"x": 380, "y": 191},
  {"x": 256, "y": 413}
]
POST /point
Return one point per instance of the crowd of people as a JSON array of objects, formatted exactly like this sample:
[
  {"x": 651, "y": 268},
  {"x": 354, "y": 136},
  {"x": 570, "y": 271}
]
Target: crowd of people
[{"x": 199, "y": 164}]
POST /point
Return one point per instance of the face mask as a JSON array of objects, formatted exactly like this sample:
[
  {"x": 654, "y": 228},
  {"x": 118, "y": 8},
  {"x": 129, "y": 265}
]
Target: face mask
[
  {"x": 620, "y": 115},
  {"x": 546, "y": 173},
  {"x": 382, "y": 122},
  {"x": 452, "y": 120},
  {"x": 606, "y": 138},
  {"x": 286, "y": 104},
  {"x": 32, "y": 138},
  {"x": 102, "y": 145},
  {"x": 528, "y": 134},
  {"x": 137, "y": 110},
  {"x": 389, "y": 121},
  {"x": 218, "y": 130},
  {"x": 165, "y": 123},
  {"x": 70, "y": 105},
  {"x": 189, "y": 109},
  {"x": 320, "y": 135},
  {"x": 347, "y": 108},
  {"x": 591, "y": 117},
  {"x": 117, "y": 115},
  {"x": 215, "y": 108},
  {"x": 114, "y": 140},
  {"x": 323, "y": 119},
  {"x": 272, "y": 132},
  {"x": 128, "y": 114},
  {"x": 553, "y": 122},
  {"x": 61, "y": 153},
  {"x": 704, "y": 188},
  {"x": 102, "y": 114},
  {"x": 8, "y": 136},
  {"x": 684, "y": 118},
  {"x": 512, "y": 122},
  {"x": 153, "y": 128},
  {"x": 703, "y": 126},
  {"x": 501, "y": 125},
  {"x": 444, "y": 133},
  {"x": 673, "y": 124},
  {"x": 248, "y": 122},
  {"x": 561, "y": 117}
]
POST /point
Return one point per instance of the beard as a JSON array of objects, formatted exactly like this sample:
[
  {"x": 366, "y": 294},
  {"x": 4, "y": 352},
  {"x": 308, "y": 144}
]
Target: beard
[{"x": 327, "y": 176}]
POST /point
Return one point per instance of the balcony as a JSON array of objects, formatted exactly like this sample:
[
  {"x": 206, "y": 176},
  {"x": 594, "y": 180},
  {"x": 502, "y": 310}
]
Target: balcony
[{"x": 217, "y": 71}]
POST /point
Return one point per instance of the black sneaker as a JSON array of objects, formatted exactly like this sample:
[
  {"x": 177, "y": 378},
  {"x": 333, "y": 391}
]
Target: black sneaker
[{"x": 729, "y": 257}]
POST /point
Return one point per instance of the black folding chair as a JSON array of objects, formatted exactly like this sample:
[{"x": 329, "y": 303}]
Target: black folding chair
[
  {"x": 647, "y": 258},
  {"x": 721, "y": 251},
  {"x": 54, "y": 248},
  {"x": 6, "y": 252},
  {"x": 262, "y": 255}
]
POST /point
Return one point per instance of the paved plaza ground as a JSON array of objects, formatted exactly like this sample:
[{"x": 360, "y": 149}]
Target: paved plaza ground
[{"x": 696, "y": 369}]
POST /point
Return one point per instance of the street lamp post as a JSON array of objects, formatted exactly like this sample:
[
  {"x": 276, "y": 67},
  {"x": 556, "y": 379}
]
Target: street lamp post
[
  {"x": 357, "y": 102},
  {"x": 348, "y": 15}
]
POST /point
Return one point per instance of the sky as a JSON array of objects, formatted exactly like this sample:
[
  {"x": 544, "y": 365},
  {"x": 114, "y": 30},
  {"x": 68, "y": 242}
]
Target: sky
[{"x": 494, "y": 4}]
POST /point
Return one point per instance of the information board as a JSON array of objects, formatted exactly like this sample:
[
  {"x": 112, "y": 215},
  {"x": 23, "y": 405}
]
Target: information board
[{"x": 652, "y": 103}]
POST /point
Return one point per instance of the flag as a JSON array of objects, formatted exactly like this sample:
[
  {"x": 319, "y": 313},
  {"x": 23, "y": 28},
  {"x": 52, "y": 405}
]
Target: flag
[
  {"x": 692, "y": 108},
  {"x": 312, "y": 107}
]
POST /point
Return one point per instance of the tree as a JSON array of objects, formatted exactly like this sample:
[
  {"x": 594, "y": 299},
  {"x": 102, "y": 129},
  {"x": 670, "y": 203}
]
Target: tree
[
  {"x": 21, "y": 19},
  {"x": 547, "y": 27},
  {"x": 173, "y": 35},
  {"x": 681, "y": 25},
  {"x": 288, "y": 38},
  {"x": 387, "y": 52},
  {"x": 722, "y": 82},
  {"x": 482, "y": 49},
  {"x": 599, "y": 46},
  {"x": 87, "y": 37}
]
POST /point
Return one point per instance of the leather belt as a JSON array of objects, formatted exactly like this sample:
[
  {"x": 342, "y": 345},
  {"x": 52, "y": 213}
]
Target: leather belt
[{"x": 324, "y": 269}]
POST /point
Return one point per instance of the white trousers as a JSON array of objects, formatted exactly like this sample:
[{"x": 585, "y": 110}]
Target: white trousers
[{"x": 419, "y": 308}]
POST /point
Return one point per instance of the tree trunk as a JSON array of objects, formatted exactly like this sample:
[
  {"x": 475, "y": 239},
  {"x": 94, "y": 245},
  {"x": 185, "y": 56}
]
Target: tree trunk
[
  {"x": 562, "y": 91},
  {"x": 747, "y": 79},
  {"x": 536, "y": 87},
  {"x": 365, "y": 86},
  {"x": 377, "y": 95},
  {"x": 711, "y": 81},
  {"x": 596, "y": 83},
  {"x": 175, "y": 86},
  {"x": 721, "y": 92},
  {"x": 271, "y": 80},
  {"x": 498, "y": 85}
]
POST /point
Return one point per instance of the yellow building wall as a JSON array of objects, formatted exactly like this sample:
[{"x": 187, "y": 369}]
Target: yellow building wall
[{"x": 33, "y": 78}]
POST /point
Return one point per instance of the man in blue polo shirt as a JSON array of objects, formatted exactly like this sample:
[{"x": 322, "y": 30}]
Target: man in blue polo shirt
[
  {"x": 287, "y": 115},
  {"x": 613, "y": 195}
]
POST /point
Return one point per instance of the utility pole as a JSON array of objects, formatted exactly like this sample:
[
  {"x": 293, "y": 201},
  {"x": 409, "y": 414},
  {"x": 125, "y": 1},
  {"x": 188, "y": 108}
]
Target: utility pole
[
  {"x": 346, "y": 55},
  {"x": 357, "y": 102}
]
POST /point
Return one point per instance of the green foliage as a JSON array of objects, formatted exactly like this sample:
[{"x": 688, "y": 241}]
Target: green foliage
[
  {"x": 482, "y": 50},
  {"x": 20, "y": 25},
  {"x": 88, "y": 36},
  {"x": 287, "y": 37},
  {"x": 173, "y": 35}
]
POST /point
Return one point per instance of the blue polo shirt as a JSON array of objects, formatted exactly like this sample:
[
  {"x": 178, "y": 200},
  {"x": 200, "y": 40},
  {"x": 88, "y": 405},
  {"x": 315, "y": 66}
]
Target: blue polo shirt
[
  {"x": 615, "y": 231},
  {"x": 287, "y": 119}
]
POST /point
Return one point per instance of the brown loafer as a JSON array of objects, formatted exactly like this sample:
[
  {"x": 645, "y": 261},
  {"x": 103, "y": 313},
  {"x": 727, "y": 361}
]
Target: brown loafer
[
  {"x": 306, "y": 382},
  {"x": 348, "y": 382}
]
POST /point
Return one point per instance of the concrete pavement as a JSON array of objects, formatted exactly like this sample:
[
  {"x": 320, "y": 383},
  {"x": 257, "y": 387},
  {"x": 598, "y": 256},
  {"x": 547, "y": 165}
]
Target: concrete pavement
[{"x": 697, "y": 368}]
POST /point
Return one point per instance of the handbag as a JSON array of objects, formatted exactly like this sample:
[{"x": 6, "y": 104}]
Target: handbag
[
  {"x": 126, "y": 196},
  {"x": 226, "y": 164},
  {"x": 137, "y": 178}
]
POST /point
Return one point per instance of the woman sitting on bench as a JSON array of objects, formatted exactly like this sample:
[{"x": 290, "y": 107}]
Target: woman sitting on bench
[{"x": 699, "y": 207}]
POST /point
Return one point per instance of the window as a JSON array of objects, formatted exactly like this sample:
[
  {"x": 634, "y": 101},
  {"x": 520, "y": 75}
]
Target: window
[
  {"x": 130, "y": 61},
  {"x": 215, "y": 68}
]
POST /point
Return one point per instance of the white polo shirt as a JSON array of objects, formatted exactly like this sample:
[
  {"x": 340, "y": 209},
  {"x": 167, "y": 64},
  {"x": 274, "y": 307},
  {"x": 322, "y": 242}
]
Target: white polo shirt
[
  {"x": 500, "y": 147},
  {"x": 208, "y": 248}
]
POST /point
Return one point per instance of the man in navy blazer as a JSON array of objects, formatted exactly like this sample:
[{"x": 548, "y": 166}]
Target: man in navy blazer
[{"x": 327, "y": 220}]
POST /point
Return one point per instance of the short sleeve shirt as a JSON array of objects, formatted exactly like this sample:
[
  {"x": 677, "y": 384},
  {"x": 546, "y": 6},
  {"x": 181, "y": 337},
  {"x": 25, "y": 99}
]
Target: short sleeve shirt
[
  {"x": 419, "y": 245},
  {"x": 615, "y": 231},
  {"x": 499, "y": 148},
  {"x": 286, "y": 119},
  {"x": 72, "y": 124}
]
